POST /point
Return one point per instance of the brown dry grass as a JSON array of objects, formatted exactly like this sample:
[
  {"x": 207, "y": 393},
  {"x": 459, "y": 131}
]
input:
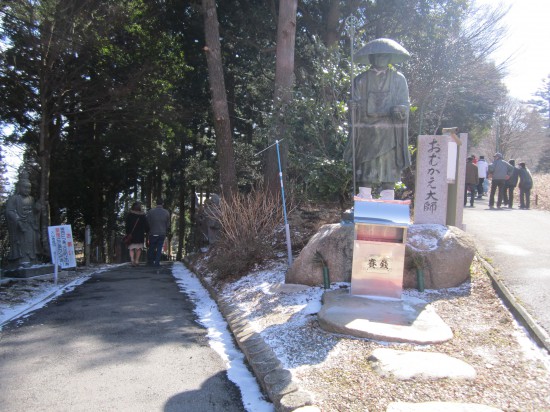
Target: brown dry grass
[
  {"x": 540, "y": 195},
  {"x": 247, "y": 224}
]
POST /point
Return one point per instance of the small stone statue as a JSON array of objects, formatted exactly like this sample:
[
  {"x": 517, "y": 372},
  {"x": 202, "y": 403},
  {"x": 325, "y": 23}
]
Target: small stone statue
[
  {"x": 23, "y": 216},
  {"x": 380, "y": 117}
]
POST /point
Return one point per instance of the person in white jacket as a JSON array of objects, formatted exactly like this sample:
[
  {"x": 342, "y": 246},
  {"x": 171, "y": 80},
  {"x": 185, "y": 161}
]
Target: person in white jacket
[{"x": 482, "y": 167}]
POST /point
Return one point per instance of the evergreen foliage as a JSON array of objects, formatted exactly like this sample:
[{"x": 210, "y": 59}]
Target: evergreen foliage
[{"x": 112, "y": 98}]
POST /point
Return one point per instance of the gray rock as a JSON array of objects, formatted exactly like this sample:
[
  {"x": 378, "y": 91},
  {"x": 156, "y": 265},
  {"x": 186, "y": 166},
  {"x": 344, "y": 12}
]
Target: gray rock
[
  {"x": 419, "y": 365},
  {"x": 439, "y": 406},
  {"x": 294, "y": 400},
  {"x": 446, "y": 253},
  {"x": 279, "y": 389},
  {"x": 263, "y": 364},
  {"x": 309, "y": 408},
  {"x": 335, "y": 243},
  {"x": 279, "y": 375},
  {"x": 433, "y": 245}
]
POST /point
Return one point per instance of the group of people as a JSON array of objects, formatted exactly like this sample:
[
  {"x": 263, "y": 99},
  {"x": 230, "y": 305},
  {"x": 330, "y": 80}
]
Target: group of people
[
  {"x": 505, "y": 176},
  {"x": 156, "y": 223}
]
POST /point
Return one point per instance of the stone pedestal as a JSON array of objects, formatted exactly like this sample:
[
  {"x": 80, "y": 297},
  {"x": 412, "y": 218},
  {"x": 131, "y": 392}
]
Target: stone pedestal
[
  {"x": 409, "y": 320},
  {"x": 29, "y": 272}
]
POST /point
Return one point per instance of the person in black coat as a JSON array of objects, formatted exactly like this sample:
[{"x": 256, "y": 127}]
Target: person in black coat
[
  {"x": 510, "y": 185},
  {"x": 471, "y": 181},
  {"x": 136, "y": 225},
  {"x": 525, "y": 186}
]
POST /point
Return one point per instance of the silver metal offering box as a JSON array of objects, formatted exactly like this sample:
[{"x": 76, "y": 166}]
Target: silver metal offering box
[{"x": 379, "y": 247}]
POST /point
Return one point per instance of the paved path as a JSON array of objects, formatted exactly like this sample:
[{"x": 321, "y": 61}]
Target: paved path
[
  {"x": 517, "y": 243},
  {"x": 126, "y": 340}
]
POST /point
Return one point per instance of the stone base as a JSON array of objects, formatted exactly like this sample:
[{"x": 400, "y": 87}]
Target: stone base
[
  {"x": 29, "y": 272},
  {"x": 417, "y": 364},
  {"x": 439, "y": 406},
  {"x": 407, "y": 321}
]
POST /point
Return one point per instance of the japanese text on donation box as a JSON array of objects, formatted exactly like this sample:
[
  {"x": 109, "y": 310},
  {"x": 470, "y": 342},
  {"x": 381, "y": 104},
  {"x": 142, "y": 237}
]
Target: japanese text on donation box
[
  {"x": 62, "y": 246},
  {"x": 377, "y": 264}
]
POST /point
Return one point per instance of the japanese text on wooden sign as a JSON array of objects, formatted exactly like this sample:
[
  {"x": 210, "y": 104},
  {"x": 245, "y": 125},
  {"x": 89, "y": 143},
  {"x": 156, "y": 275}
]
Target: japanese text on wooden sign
[{"x": 431, "y": 180}]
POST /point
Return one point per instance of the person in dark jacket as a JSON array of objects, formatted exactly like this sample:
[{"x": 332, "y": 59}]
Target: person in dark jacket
[
  {"x": 525, "y": 186},
  {"x": 471, "y": 181},
  {"x": 136, "y": 225},
  {"x": 499, "y": 172},
  {"x": 510, "y": 185},
  {"x": 158, "y": 219}
]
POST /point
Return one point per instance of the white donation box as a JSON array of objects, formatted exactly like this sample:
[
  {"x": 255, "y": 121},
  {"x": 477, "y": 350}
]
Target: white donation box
[{"x": 379, "y": 247}]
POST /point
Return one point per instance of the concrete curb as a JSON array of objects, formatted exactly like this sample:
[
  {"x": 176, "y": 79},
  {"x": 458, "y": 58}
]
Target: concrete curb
[
  {"x": 276, "y": 381},
  {"x": 538, "y": 334}
]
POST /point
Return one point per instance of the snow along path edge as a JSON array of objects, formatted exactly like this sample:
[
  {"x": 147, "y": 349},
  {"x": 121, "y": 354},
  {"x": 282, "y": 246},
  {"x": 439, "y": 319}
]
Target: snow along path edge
[{"x": 273, "y": 378}]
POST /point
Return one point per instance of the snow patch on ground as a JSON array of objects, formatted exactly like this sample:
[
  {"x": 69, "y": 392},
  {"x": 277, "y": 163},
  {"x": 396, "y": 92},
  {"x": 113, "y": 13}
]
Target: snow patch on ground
[{"x": 220, "y": 339}]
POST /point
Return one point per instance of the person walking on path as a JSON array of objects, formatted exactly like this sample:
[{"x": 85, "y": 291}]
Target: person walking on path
[
  {"x": 525, "y": 186},
  {"x": 510, "y": 185},
  {"x": 136, "y": 226},
  {"x": 471, "y": 181},
  {"x": 158, "y": 219},
  {"x": 499, "y": 171},
  {"x": 482, "y": 167}
]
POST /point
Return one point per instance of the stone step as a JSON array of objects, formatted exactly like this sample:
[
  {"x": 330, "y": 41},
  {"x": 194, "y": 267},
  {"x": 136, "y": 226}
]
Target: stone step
[
  {"x": 419, "y": 365},
  {"x": 409, "y": 320},
  {"x": 439, "y": 407}
]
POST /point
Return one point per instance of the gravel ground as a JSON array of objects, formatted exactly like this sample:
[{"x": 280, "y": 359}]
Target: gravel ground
[{"x": 512, "y": 373}]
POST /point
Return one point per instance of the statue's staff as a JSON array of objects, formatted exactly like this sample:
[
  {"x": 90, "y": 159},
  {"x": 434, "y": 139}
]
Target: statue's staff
[{"x": 351, "y": 21}]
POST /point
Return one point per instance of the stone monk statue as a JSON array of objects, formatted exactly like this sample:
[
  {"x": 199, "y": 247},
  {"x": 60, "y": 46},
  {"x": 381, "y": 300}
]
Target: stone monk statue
[
  {"x": 23, "y": 216},
  {"x": 380, "y": 117}
]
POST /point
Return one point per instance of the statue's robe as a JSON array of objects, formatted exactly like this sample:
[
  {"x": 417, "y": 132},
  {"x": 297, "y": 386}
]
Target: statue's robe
[
  {"x": 381, "y": 142},
  {"x": 23, "y": 229}
]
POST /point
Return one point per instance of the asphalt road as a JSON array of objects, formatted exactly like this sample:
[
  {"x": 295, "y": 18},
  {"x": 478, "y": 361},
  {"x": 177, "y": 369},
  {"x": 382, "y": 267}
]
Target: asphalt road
[
  {"x": 517, "y": 244},
  {"x": 125, "y": 340}
]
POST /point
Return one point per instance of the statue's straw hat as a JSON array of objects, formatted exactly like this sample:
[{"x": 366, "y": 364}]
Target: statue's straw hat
[{"x": 382, "y": 46}]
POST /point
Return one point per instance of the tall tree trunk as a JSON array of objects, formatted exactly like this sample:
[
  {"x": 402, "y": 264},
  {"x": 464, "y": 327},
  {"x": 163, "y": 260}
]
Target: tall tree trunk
[
  {"x": 45, "y": 160},
  {"x": 284, "y": 80},
  {"x": 44, "y": 144},
  {"x": 224, "y": 144},
  {"x": 181, "y": 207},
  {"x": 332, "y": 33}
]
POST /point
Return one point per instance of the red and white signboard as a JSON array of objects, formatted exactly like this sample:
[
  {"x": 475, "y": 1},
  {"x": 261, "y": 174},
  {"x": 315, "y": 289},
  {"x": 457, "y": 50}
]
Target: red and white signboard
[{"x": 62, "y": 246}]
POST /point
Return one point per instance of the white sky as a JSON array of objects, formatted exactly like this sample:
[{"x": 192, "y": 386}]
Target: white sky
[
  {"x": 528, "y": 39},
  {"x": 13, "y": 156}
]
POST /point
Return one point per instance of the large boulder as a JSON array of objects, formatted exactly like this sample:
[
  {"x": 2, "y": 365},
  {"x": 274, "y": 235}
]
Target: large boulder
[
  {"x": 445, "y": 254},
  {"x": 334, "y": 243}
]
